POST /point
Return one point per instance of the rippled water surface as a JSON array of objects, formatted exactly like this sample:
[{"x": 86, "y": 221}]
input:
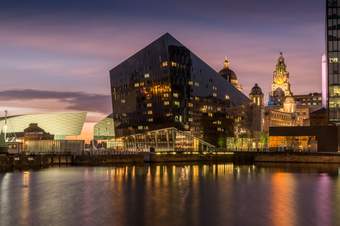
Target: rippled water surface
[{"x": 176, "y": 195}]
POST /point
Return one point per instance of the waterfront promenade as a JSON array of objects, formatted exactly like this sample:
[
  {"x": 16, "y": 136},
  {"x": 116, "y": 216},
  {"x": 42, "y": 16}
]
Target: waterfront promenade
[{"x": 9, "y": 162}]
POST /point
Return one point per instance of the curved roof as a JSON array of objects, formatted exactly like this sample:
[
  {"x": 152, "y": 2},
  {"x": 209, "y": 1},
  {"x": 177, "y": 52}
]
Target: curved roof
[
  {"x": 228, "y": 74},
  {"x": 60, "y": 123},
  {"x": 256, "y": 90}
]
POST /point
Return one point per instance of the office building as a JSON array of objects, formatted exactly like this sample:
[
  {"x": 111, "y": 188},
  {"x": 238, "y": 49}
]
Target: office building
[
  {"x": 165, "y": 85},
  {"x": 333, "y": 59}
]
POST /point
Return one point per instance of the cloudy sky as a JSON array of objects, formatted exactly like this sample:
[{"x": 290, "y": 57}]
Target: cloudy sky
[{"x": 55, "y": 55}]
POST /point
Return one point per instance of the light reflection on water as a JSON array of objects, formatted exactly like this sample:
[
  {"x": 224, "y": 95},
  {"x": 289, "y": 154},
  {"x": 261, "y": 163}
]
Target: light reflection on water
[{"x": 221, "y": 194}]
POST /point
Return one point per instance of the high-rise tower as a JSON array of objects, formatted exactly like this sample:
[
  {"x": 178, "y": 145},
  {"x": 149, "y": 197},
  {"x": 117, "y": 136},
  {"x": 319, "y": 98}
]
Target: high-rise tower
[{"x": 333, "y": 61}]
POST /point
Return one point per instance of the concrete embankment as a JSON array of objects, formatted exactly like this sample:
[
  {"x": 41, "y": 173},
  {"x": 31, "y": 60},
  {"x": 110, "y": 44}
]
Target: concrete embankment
[
  {"x": 323, "y": 158},
  {"x": 24, "y": 162},
  {"x": 10, "y": 162}
]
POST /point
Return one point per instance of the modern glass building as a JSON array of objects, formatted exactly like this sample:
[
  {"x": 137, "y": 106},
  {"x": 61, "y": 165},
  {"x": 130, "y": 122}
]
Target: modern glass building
[
  {"x": 165, "y": 85},
  {"x": 333, "y": 59},
  {"x": 104, "y": 129},
  {"x": 59, "y": 124}
]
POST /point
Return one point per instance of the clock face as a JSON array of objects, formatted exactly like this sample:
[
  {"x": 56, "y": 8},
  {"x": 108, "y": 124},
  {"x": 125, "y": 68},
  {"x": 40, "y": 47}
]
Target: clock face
[{"x": 280, "y": 79}]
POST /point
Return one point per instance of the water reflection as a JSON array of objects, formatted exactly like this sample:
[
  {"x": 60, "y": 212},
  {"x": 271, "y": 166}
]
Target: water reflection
[
  {"x": 181, "y": 194},
  {"x": 283, "y": 199}
]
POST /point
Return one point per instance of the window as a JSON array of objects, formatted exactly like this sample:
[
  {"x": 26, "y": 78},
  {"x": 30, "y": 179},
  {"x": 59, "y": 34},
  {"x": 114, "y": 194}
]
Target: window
[
  {"x": 146, "y": 75},
  {"x": 166, "y": 103},
  {"x": 123, "y": 101},
  {"x": 164, "y": 64},
  {"x": 176, "y": 103}
]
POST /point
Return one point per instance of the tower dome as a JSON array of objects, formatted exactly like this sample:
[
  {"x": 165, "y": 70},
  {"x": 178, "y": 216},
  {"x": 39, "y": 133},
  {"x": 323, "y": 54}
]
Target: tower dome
[
  {"x": 256, "y": 95},
  {"x": 256, "y": 90},
  {"x": 230, "y": 75}
]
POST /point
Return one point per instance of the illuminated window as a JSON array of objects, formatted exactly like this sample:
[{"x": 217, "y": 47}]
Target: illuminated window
[
  {"x": 123, "y": 101},
  {"x": 137, "y": 84},
  {"x": 174, "y": 64},
  {"x": 140, "y": 127},
  {"x": 141, "y": 84},
  {"x": 215, "y": 94},
  {"x": 197, "y": 84},
  {"x": 214, "y": 88},
  {"x": 333, "y": 60},
  {"x": 176, "y": 103},
  {"x": 166, "y": 95},
  {"x": 149, "y": 104},
  {"x": 210, "y": 114},
  {"x": 197, "y": 98},
  {"x": 166, "y": 103},
  {"x": 190, "y": 119},
  {"x": 164, "y": 64},
  {"x": 149, "y": 112},
  {"x": 227, "y": 97},
  {"x": 146, "y": 75},
  {"x": 190, "y": 105},
  {"x": 190, "y": 83},
  {"x": 176, "y": 95},
  {"x": 150, "y": 119}
]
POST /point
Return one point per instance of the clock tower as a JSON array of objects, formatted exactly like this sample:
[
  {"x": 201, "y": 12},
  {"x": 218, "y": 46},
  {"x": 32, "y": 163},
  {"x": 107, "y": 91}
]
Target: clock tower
[{"x": 281, "y": 85}]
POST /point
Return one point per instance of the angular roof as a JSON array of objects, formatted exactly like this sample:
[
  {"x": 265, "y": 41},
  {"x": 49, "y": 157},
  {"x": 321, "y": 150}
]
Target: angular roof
[{"x": 236, "y": 97}]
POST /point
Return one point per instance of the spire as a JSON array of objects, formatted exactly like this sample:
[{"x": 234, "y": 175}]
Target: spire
[
  {"x": 226, "y": 63},
  {"x": 281, "y": 65}
]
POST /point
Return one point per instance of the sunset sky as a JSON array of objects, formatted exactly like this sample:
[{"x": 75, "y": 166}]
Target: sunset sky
[{"x": 56, "y": 55}]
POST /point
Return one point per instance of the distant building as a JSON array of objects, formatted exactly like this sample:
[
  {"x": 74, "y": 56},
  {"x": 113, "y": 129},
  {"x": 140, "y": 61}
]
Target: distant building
[
  {"x": 230, "y": 75},
  {"x": 104, "y": 129},
  {"x": 256, "y": 95},
  {"x": 60, "y": 124},
  {"x": 319, "y": 117},
  {"x": 284, "y": 109},
  {"x": 304, "y": 138},
  {"x": 314, "y": 100},
  {"x": 333, "y": 60},
  {"x": 280, "y": 85},
  {"x": 164, "y": 86},
  {"x": 34, "y": 132}
]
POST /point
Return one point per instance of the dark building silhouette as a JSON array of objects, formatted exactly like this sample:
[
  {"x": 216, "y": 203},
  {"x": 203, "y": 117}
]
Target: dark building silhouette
[
  {"x": 166, "y": 85},
  {"x": 333, "y": 61}
]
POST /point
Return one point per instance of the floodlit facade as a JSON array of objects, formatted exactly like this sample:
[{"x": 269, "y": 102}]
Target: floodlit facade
[
  {"x": 165, "y": 85},
  {"x": 61, "y": 124},
  {"x": 165, "y": 140},
  {"x": 104, "y": 129},
  {"x": 333, "y": 59},
  {"x": 313, "y": 100}
]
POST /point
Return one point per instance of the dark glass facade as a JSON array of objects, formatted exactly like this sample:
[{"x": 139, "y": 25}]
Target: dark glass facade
[
  {"x": 165, "y": 85},
  {"x": 333, "y": 58}
]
